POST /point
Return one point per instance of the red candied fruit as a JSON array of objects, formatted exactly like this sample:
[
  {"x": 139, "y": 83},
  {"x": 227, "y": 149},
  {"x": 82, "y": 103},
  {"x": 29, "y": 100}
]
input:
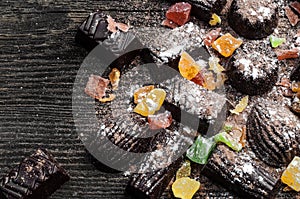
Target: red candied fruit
[
  {"x": 287, "y": 54},
  {"x": 169, "y": 23},
  {"x": 212, "y": 36},
  {"x": 96, "y": 86},
  {"x": 199, "y": 79},
  {"x": 179, "y": 13},
  {"x": 159, "y": 121}
]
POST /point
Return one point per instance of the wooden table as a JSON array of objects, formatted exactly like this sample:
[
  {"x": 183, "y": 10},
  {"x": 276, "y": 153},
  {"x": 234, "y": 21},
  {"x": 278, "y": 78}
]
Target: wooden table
[{"x": 39, "y": 61}]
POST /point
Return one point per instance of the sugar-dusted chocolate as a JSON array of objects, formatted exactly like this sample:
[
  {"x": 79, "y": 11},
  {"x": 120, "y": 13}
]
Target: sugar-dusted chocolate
[
  {"x": 36, "y": 177},
  {"x": 253, "y": 19}
]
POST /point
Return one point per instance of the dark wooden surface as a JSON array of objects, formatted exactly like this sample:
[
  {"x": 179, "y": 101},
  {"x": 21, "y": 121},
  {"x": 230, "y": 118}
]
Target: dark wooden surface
[{"x": 39, "y": 61}]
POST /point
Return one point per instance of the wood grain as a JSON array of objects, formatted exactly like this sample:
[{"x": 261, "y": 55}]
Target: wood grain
[{"x": 39, "y": 61}]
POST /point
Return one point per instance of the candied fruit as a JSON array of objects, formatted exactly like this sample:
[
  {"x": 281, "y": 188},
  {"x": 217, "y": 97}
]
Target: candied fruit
[
  {"x": 160, "y": 121},
  {"x": 96, "y": 86},
  {"x": 185, "y": 187},
  {"x": 209, "y": 81},
  {"x": 291, "y": 176},
  {"x": 227, "y": 139},
  {"x": 141, "y": 93},
  {"x": 276, "y": 41},
  {"x": 198, "y": 79},
  {"x": 188, "y": 68},
  {"x": 169, "y": 23},
  {"x": 296, "y": 87},
  {"x": 291, "y": 15},
  {"x": 214, "y": 65},
  {"x": 151, "y": 103},
  {"x": 215, "y": 19},
  {"x": 212, "y": 36},
  {"x": 287, "y": 54},
  {"x": 226, "y": 44},
  {"x": 240, "y": 106},
  {"x": 184, "y": 170},
  {"x": 179, "y": 13},
  {"x": 114, "y": 77}
]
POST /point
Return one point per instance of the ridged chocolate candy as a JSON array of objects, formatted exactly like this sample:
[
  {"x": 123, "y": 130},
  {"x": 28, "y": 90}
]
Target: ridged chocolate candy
[{"x": 273, "y": 133}]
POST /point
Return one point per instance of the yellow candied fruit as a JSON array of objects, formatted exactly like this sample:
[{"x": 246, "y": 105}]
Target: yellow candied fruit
[
  {"x": 214, "y": 65},
  {"x": 291, "y": 176},
  {"x": 141, "y": 93},
  {"x": 188, "y": 68},
  {"x": 240, "y": 107},
  {"x": 185, "y": 187},
  {"x": 114, "y": 77},
  {"x": 209, "y": 81},
  {"x": 215, "y": 19},
  {"x": 151, "y": 103},
  {"x": 296, "y": 87},
  {"x": 226, "y": 44},
  {"x": 184, "y": 170}
]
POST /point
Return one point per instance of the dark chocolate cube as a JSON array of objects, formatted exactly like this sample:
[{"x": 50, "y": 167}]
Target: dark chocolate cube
[{"x": 37, "y": 176}]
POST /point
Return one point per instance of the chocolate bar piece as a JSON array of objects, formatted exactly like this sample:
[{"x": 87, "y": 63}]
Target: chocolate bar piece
[
  {"x": 242, "y": 173},
  {"x": 152, "y": 185},
  {"x": 92, "y": 31},
  {"x": 36, "y": 177}
]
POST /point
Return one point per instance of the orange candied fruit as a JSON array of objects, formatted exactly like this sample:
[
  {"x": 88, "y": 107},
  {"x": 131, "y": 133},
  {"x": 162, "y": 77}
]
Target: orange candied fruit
[
  {"x": 188, "y": 68},
  {"x": 151, "y": 103},
  {"x": 141, "y": 93},
  {"x": 185, "y": 187},
  {"x": 296, "y": 87},
  {"x": 291, "y": 176},
  {"x": 226, "y": 44}
]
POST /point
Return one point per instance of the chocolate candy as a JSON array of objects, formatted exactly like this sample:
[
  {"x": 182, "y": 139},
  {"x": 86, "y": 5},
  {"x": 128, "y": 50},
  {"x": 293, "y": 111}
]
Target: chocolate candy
[
  {"x": 92, "y": 31},
  {"x": 252, "y": 72},
  {"x": 36, "y": 177},
  {"x": 253, "y": 19}
]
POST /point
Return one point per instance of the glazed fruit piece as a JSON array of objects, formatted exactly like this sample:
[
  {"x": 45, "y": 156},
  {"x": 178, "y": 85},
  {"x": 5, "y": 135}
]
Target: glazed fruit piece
[
  {"x": 179, "y": 13},
  {"x": 203, "y": 9},
  {"x": 36, "y": 177},
  {"x": 291, "y": 175},
  {"x": 92, "y": 31},
  {"x": 274, "y": 133},
  {"x": 226, "y": 44},
  {"x": 241, "y": 173},
  {"x": 250, "y": 72},
  {"x": 253, "y": 19}
]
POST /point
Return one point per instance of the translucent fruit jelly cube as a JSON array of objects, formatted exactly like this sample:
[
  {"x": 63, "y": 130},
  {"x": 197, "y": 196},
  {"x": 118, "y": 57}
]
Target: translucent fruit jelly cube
[
  {"x": 159, "y": 121},
  {"x": 227, "y": 44},
  {"x": 185, "y": 187},
  {"x": 291, "y": 176},
  {"x": 188, "y": 68},
  {"x": 142, "y": 93}
]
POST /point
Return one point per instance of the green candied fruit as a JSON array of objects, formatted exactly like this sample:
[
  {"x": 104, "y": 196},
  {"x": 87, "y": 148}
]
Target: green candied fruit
[
  {"x": 276, "y": 41},
  {"x": 200, "y": 151},
  {"x": 184, "y": 170},
  {"x": 225, "y": 138}
]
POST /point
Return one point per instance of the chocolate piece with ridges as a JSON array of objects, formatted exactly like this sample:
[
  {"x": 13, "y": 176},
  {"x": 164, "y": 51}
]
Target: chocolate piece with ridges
[
  {"x": 37, "y": 177},
  {"x": 92, "y": 31},
  {"x": 253, "y": 19},
  {"x": 241, "y": 173},
  {"x": 152, "y": 185},
  {"x": 273, "y": 133},
  {"x": 203, "y": 9},
  {"x": 252, "y": 72}
]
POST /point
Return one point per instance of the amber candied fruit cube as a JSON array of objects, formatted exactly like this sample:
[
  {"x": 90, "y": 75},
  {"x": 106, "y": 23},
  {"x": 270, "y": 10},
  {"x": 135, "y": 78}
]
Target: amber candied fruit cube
[
  {"x": 291, "y": 176},
  {"x": 142, "y": 93},
  {"x": 179, "y": 13},
  {"x": 185, "y": 187},
  {"x": 226, "y": 44},
  {"x": 188, "y": 68},
  {"x": 296, "y": 87}
]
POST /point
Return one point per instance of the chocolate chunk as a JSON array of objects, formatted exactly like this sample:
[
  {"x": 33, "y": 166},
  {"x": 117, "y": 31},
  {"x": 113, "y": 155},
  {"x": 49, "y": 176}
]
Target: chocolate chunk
[
  {"x": 252, "y": 72},
  {"x": 295, "y": 76},
  {"x": 274, "y": 133},
  {"x": 253, "y": 19},
  {"x": 241, "y": 173},
  {"x": 92, "y": 31},
  {"x": 36, "y": 177}
]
